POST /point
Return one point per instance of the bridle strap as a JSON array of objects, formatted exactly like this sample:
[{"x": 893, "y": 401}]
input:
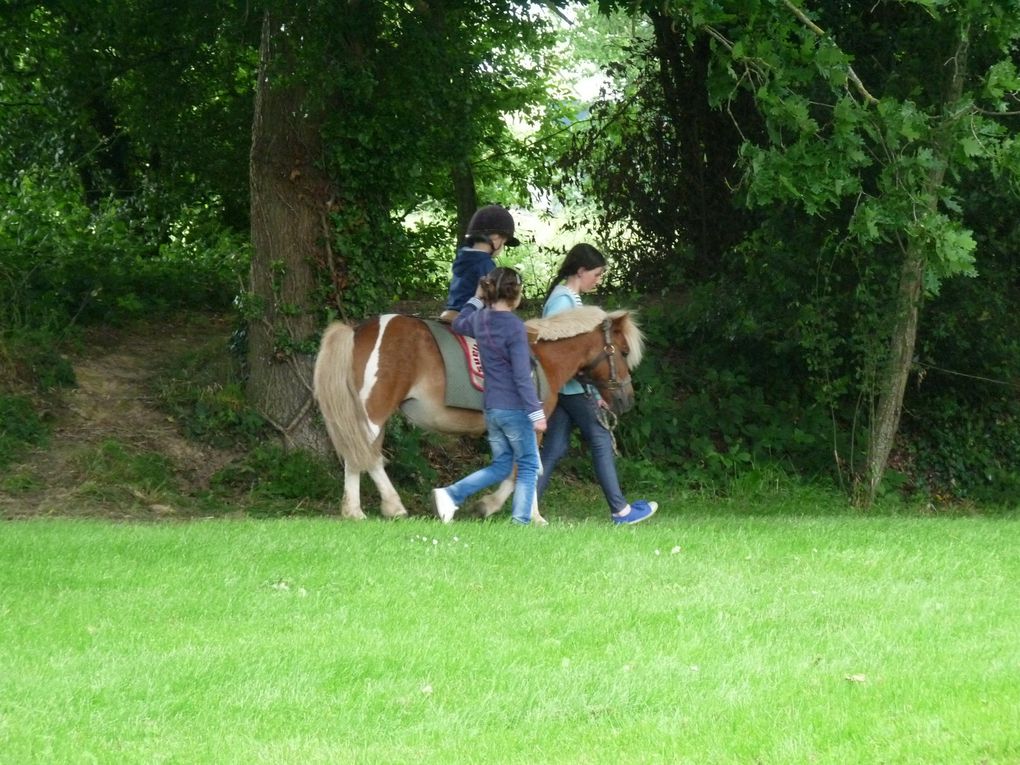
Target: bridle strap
[{"x": 608, "y": 352}]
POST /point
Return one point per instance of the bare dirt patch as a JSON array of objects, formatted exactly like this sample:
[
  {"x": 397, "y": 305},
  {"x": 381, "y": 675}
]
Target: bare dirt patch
[{"x": 115, "y": 400}]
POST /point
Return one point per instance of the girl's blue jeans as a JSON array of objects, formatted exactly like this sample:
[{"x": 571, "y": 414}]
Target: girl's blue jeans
[
  {"x": 581, "y": 410},
  {"x": 512, "y": 438}
]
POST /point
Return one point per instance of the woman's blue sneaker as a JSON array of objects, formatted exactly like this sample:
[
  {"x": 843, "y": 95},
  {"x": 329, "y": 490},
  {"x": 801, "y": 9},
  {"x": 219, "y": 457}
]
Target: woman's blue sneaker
[{"x": 635, "y": 512}]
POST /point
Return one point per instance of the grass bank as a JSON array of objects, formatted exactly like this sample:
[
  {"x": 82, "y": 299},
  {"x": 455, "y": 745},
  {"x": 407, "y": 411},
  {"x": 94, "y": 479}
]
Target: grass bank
[{"x": 701, "y": 637}]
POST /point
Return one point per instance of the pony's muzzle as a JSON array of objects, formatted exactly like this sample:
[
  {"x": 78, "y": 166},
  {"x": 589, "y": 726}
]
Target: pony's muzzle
[{"x": 621, "y": 398}]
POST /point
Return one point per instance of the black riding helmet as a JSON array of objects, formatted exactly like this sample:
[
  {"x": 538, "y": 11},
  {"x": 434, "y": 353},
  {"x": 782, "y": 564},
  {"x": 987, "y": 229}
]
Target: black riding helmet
[{"x": 489, "y": 220}]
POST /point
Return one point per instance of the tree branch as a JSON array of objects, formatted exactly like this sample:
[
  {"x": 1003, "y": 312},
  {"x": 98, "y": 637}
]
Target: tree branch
[
  {"x": 990, "y": 113},
  {"x": 851, "y": 74}
]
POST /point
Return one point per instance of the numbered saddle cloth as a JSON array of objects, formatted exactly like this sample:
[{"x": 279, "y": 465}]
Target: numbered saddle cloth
[{"x": 465, "y": 379}]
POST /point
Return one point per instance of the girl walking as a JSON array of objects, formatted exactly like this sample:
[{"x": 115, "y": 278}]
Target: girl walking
[
  {"x": 513, "y": 412},
  {"x": 581, "y": 272}
]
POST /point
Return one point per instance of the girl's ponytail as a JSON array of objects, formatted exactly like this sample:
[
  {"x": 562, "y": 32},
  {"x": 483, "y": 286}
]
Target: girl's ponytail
[{"x": 501, "y": 284}]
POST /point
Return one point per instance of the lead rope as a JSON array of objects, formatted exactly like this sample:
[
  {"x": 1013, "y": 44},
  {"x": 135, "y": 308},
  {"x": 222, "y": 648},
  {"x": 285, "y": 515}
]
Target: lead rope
[{"x": 608, "y": 420}]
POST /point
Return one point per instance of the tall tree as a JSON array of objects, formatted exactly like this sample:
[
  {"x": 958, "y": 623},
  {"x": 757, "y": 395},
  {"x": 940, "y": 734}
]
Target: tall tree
[
  {"x": 290, "y": 199},
  {"x": 365, "y": 112},
  {"x": 864, "y": 137}
]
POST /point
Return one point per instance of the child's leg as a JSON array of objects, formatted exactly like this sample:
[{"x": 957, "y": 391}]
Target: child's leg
[
  {"x": 521, "y": 434},
  {"x": 501, "y": 466}
]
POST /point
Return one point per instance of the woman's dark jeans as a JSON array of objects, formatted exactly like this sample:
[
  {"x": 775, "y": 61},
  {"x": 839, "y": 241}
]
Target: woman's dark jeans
[{"x": 582, "y": 411}]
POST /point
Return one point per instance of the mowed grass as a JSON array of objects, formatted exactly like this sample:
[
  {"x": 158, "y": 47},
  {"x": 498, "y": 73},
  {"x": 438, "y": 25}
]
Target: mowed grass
[{"x": 708, "y": 635}]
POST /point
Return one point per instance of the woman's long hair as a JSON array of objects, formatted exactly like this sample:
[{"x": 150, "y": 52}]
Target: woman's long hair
[{"x": 580, "y": 256}]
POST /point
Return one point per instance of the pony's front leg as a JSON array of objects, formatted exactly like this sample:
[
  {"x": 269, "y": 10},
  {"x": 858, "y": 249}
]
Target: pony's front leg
[
  {"x": 350, "y": 507},
  {"x": 492, "y": 503},
  {"x": 536, "y": 517},
  {"x": 392, "y": 507}
]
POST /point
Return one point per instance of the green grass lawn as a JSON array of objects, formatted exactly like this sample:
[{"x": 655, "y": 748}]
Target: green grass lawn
[{"x": 715, "y": 633}]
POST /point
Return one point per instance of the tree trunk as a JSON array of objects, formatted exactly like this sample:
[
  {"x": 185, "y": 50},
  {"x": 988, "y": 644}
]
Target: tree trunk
[
  {"x": 893, "y": 382},
  {"x": 466, "y": 194},
  {"x": 706, "y": 142},
  {"x": 289, "y": 228}
]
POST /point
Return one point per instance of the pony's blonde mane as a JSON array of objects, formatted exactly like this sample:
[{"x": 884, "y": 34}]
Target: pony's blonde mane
[{"x": 585, "y": 318}]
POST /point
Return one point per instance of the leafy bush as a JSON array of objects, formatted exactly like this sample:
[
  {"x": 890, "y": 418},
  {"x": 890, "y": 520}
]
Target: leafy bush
[
  {"x": 713, "y": 421},
  {"x": 20, "y": 427},
  {"x": 32, "y": 358},
  {"x": 961, "y": 421},
  {"x": 270, "y": 471},
  {"x": 966, "y": 451},
  {"x": 62, "y": 262},
  {"x": 203, "y": 391},
  {"x": 218, "y": 415},
  {"x": 116, "y": 465},
  {"x": 408, "y": 451}
]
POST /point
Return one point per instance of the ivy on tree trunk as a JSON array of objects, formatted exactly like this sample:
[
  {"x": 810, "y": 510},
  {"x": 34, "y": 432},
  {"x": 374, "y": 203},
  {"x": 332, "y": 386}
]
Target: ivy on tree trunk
[{"x": 290, "y": 196}]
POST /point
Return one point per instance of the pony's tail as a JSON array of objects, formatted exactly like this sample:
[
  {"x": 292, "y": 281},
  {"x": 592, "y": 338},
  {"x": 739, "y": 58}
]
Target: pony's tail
[{"x": 341, "y": 407}]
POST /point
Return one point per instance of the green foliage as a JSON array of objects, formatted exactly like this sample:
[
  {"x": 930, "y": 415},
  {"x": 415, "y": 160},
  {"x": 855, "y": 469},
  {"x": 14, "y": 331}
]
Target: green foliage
[
  {"x": 144, "y": 102},
  {"x": 407, "y": 455},
  {"x": 854, "y": 152},
  {"x": 123, "y": 164},
  {"x": 32, "y": 358},
  {"x": 712, "y": 422},
  {"x": 216, "y": 415},
  {"x": 20, "y": 427},
  {"x": 634, "y": 152},
  {"x": 962, "y": 417},
  {"x": 734, "y": 164},
  {"x": 431, "y": 248},
  {"x": 204, "y": 393},
  {"x": 19, "y": 482},
  {"x": 61, "y": 262},
  {"x": 32, "y": 368},
  {"x": 415, "y": 110},
  {"x": 269, "y": 471},
  {"x": 200, "y": 264},
  {"x": 967, "y": 451},
  {"x": 112, "y": 467}
]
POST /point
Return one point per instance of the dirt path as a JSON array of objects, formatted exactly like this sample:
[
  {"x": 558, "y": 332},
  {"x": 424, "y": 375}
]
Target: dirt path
[{"x": 117, "y": 375}]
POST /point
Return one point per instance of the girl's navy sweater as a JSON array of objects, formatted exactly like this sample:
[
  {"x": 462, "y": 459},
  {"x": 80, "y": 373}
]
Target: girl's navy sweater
[{"x": 506, "y": 358}]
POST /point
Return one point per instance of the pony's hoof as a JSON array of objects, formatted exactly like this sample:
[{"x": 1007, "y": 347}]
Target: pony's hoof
[{"x": 487, "y": 510}]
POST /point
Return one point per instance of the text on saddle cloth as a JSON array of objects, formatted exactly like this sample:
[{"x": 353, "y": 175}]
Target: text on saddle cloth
[{"x": 476, "y": 375}]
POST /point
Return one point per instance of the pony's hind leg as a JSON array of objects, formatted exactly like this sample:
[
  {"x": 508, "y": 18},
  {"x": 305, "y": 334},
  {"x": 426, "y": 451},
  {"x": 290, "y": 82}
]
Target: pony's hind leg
[
  {"x": 492, "y": 503},
  {"x": 350, "y": 506},
  {"x": 392, "y": 507}
]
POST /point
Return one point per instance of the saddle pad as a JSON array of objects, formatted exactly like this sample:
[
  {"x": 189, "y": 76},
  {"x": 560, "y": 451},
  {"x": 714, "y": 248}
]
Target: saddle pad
[
  {"x": 464, "y": 383},
  {"x": 463, "y": 389}
]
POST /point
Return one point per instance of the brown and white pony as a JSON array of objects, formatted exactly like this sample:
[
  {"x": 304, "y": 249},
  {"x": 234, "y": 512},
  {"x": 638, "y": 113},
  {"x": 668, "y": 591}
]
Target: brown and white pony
[{"x": 364, "y": 374}]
